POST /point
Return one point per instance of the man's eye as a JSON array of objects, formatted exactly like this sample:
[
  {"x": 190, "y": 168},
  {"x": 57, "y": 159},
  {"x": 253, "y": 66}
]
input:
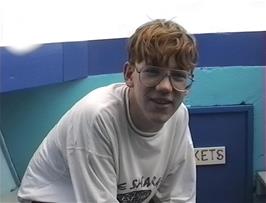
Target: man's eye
[
  {"x": 152, "y": 71},
  {"x": 179, "y": 75}
]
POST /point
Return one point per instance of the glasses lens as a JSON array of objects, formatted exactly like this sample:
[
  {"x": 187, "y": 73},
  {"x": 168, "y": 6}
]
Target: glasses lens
[
  {"x": 151, "y": 76},
  {"x": 181, "y": 80}
]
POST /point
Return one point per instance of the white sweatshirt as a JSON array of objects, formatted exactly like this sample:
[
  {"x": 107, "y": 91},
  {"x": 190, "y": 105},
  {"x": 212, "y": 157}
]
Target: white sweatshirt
[{"x": 95, "y": 154}]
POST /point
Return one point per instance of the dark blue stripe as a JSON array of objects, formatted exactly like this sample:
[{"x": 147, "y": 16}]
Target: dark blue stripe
[
  {"x": 232, "y": 49},
  {"x": 107, "y": 56},
  {"x": 59, "y": 62},
  {"x": 40, "y": 67},
  {"x": 75, "y": 60},
  {"x": 215, "y": 49}
]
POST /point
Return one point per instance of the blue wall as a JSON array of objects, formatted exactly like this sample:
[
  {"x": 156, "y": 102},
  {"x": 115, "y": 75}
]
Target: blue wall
[{"x": 231, "y": 71}]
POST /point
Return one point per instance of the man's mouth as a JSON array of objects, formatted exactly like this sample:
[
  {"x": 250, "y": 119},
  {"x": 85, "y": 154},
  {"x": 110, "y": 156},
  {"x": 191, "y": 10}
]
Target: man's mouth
[{"x": 162, "y": 101}]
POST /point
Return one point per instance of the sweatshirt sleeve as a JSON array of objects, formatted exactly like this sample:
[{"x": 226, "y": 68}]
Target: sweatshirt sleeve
[
  {"x": 90, "y": 161},
  {"x": 179, "y": 186}
]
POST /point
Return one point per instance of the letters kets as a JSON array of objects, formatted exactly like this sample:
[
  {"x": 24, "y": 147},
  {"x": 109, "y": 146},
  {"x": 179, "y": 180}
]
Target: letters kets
[{"x": 210, "y": 155}]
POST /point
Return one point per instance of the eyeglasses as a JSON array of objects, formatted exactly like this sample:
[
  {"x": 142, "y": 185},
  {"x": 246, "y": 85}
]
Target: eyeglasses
[{"x": 150, "y": 76}]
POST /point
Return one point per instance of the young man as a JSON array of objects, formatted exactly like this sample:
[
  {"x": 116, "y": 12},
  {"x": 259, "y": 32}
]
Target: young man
[{"x": 128, "y": 142}]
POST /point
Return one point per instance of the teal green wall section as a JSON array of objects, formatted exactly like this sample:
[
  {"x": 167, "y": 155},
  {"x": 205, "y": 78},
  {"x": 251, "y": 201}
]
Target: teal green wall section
[{"x": 28, "y": 115}]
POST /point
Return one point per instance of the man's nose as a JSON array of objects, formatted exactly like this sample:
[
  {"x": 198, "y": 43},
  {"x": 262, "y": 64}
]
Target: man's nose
[{"x": 165, "y": 84}]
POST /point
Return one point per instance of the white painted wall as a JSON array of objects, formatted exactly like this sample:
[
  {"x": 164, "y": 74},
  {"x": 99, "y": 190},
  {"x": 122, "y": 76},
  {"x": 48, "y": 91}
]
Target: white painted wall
[{"x": 41, "y": 21}]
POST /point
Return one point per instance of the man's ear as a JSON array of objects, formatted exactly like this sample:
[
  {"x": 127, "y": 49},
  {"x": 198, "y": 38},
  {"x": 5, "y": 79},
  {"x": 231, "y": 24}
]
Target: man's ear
[{"x": 128, "y": 74}]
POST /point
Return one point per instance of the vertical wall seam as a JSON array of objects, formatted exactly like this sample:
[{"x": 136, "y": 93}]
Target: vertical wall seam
[
  {"x": 264, "y": 95},
  {"x": 9, "y": 161}
]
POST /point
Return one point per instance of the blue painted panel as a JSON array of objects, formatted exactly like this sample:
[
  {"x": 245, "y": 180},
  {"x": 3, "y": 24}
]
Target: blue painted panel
[
  {"x": 75, "y": 60},
  {"x": 40, "y": 67},
  {"x": 107, "y": 56},
  {"x": 231, "y": 127},
  {"x": 232, "y": 49},
  {"x": 215, "y": 49},
  {"x": 45, "y": 65}
]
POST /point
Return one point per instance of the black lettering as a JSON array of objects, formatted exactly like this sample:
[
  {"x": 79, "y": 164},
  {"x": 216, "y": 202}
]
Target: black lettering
[
  {"x": 140, "y": 182},
  {"x": 196, "y": 155},
  {"x": 203, "y": 155},
  {"x": 153, "y": 180},
  {"x": 212, "y": 150},
  {"x": 158, "y": 182},
  {"x": 147, "y": 182},
  {"x": 134, "y": 183},
  {"x": 122, "y": 186},
  {"x": 220, "y": 154}
]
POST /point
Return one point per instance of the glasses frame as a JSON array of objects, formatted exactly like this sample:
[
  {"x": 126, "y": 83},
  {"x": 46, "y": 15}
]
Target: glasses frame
[{"x": 189, "y": 76}]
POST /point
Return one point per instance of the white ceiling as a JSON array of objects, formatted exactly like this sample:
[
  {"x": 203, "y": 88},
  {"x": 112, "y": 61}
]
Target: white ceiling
[{"x": 24, "y": 22}]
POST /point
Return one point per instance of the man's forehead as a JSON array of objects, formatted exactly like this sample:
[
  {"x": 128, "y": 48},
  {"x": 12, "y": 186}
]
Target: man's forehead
[{"x": 165, "y": 61}]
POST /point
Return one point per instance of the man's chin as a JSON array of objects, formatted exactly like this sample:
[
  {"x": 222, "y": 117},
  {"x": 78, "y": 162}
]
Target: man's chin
[{"x": 160, "y": 119}]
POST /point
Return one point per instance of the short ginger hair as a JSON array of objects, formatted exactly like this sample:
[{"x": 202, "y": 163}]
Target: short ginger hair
[{"x": 157, "y": 41}]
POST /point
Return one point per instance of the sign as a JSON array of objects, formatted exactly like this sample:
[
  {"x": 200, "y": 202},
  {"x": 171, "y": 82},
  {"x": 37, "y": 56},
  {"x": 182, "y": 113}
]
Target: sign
[{"x": 210, "y": 155}]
